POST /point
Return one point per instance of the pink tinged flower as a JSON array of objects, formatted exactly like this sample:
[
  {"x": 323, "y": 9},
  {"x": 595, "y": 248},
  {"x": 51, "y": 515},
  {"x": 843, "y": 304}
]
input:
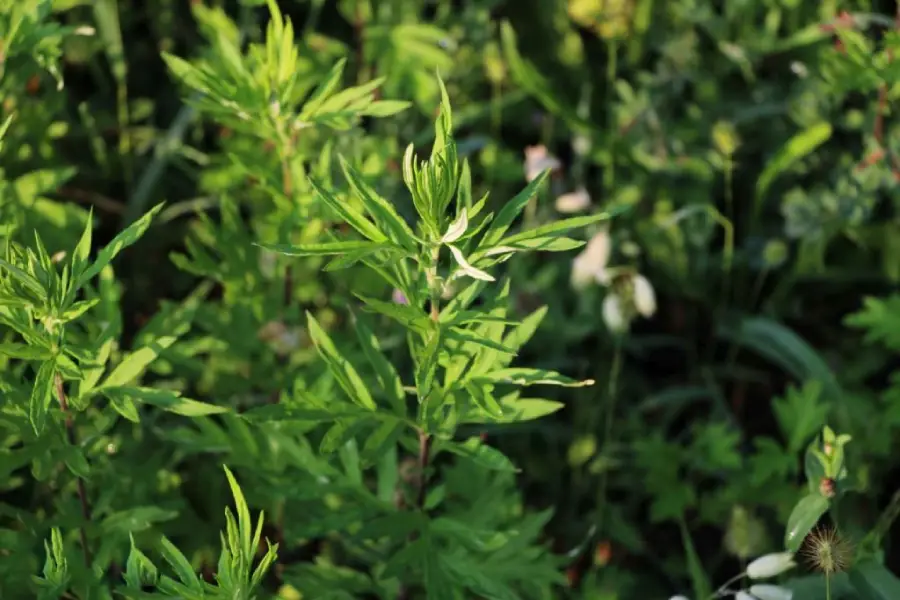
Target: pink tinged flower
[
  {"x": 573, "y": 202},
  {"x": 590, "y": 265},
  {"x": 399, "y": 297},
  {"x": 770, "y": 565},
  {"x": 644, "y": 296},
  {"x": 537, "y": 160},
  {"x": 765, "y": 591}
]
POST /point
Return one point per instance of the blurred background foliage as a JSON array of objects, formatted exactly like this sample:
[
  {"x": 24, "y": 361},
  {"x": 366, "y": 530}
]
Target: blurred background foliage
[{"x": 755, "y": 142}]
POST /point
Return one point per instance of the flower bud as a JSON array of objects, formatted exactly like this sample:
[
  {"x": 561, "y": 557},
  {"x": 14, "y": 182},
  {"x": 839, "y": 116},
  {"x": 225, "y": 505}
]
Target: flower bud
[
  {"x": 538, "y": 160},
  {"x": 765, "y": 591},
  {"x": 590, "y": 264},
  {"x": 613, "y": 314},
  {"x": 770, "y": 565},
  {"x": 573, "y": 202},
  {"x": 644, "y": 296}
]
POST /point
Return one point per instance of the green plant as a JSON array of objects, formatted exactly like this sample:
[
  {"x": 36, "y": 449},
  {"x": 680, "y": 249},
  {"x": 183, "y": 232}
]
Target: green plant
[
  {"x": 461, "y": 343},
  {"x": 753, "y": 144}
]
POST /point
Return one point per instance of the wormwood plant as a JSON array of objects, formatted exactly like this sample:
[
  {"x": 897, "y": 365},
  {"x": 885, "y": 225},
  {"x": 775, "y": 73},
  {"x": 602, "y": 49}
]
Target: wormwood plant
[
  {"x": 43, "y": 300},
  {"x": 462, "y": 338}
]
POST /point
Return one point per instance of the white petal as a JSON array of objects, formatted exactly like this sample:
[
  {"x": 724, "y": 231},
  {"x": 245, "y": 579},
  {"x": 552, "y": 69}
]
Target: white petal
[
  {"x": 574, "y": 201},
  {"x": 590, "y": 264},
  {"x": 770, "y": 565},
  {"x": 613, "y": 315},
  {"x": 583, "y": 273},
  {"x": 742, "y": 595},
  {"x": 679, "y": 597},
  {"x": 537, "y": 160},
  {"x": 456, "y": 229},
  {"x": 602, "y": 277},
  {"x": 598, "y": 250},
  {"x": 765, "y": 591},
  {"x": 468, "y": 269},
  {"x": 644, "y": 296}
]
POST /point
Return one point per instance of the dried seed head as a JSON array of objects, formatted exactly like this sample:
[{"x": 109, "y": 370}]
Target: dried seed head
[{"x": 827, "y": 551}]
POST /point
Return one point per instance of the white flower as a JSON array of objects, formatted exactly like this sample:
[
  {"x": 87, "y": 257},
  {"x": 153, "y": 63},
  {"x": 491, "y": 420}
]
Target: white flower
[
  {"x": 742, "y": 595},
  {"x": 764, "y": 591},
  {"x": 613, "y": 313},
  {"x": 537, "y": 160},
  {"x": 581, "y": 144},
  {"x": 679, "y": 597},
  {"x": 770, "y": 565},
  {"x": 574, "y": 201},
  {"x": 590, "y": 264},
  {"x": 644, "y": 296}
]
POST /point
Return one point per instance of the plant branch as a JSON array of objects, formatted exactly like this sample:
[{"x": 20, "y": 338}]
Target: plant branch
[
  {"x": 82, "y": 492},
  {"x": 422, "y": 464}
]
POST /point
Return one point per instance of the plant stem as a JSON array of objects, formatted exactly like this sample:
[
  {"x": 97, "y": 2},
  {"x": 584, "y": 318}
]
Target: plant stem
[
  {"x": 82, "y": 492},
  {"x": 422, "y": 463},
  {"x": 612, "y": 56},
  {"x": 827, "y": 586},
  {"x": 722, "y": 588},
  {"x": 612, "y": 394},
  {"x": 359, "y": 41},
  {"x": 424, "y": 454}
]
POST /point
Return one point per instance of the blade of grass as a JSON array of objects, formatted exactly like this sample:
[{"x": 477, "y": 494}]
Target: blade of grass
[{"x": 106, "y": 14}]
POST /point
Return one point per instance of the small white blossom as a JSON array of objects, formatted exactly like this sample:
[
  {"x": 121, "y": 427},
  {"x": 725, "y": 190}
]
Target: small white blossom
[
  {"x": 742, "y": 595},
  {"x": 573, "y": 202},
  {"x": 679, "y": 597},
  {"x": 590, "y": 264},
  {"x": 644, "y": 296},
  {"x": 765, "y": 591},
  {"x": 770, "y": 565},
  {"x": 581, "y": 144},
  {"x": 613, "y": 313},
  {"x": 537, "y": 160}
]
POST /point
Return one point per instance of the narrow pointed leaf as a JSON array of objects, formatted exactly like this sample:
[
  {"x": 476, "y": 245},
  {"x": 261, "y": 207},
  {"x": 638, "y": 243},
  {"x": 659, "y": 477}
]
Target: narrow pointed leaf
[{"x": 340, "y": 367}]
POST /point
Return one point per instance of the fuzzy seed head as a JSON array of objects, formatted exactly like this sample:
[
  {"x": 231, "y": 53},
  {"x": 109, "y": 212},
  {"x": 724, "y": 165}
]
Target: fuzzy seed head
[{"x": 828, "y": 551}]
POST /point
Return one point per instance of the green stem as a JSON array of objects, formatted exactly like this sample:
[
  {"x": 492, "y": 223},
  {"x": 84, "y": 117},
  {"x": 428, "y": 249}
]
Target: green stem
[
  {"x": 612, "y": 395},
  {"x": 754, "y": 298},
  {"x": 124, "y": 123},
  {"x": 496, "y": 120},
  {"x": 725, "y": 585},
  {"x": 827, "y": 586},
  {"x": 612, "y": 57},
  {"x": 82, "y": 492}
]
